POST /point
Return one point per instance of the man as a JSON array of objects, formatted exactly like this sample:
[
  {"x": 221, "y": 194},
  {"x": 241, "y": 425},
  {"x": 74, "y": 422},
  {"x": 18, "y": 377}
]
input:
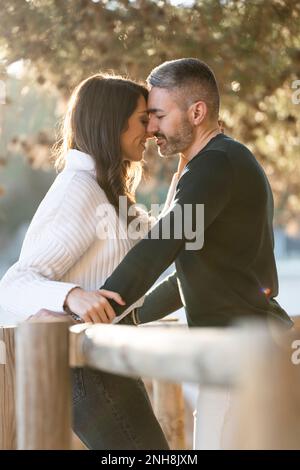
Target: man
[{"x": 233, "y": 275}]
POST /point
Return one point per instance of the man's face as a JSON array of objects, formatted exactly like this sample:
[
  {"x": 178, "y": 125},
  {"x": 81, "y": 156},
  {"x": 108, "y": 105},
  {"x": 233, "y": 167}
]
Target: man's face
[{"x": 168, "y": 123}]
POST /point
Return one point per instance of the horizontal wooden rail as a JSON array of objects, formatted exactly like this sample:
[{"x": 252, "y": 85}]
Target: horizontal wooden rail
[{"x": 209, "y": 356}]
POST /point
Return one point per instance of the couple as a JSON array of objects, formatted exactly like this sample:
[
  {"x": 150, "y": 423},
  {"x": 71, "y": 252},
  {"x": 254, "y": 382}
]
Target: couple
[{"x": 63, "y": 262}]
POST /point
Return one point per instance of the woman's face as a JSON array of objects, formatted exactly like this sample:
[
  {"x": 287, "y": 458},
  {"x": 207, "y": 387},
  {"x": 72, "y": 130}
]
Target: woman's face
[{"x": 133, "y": 140}]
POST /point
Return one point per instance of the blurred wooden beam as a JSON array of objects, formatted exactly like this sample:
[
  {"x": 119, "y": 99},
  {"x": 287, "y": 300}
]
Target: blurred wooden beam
[
  {"x": 43, "y": 385},
  {"x": 7, "y": 389},
  {"x": 202, "y": 355}
]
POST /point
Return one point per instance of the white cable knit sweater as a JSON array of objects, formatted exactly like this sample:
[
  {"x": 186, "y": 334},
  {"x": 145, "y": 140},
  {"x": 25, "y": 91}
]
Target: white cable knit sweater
[{"x": 61, "y": 249}]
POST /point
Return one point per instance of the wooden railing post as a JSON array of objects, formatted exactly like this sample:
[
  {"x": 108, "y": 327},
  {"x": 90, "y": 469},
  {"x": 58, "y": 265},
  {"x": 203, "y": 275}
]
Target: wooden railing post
[
  {"x": 7, "y": 389},
  {"x": 43, "y": 389},
  {"x": 265, "y": 414},
  {"x": 168, "y": 399},
  {"x": 169, "y": 409}
]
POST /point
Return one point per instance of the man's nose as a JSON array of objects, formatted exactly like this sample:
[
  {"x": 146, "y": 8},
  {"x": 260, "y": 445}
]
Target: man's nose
[{"x": 152, "y": 127}]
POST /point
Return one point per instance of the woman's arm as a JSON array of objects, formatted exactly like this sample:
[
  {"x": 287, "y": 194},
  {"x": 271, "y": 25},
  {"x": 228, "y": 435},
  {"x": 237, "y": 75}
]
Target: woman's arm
[
  {"x": 31, "y": 283},
  {"x": 162, "y": 300},
  {"x": 54, "y": 243}
]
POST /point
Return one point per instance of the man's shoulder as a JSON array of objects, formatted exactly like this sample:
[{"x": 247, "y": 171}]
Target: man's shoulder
[
  {"x": 226, "y": 144},
  {"x": 223, "y": 157},
  {"x": 243, "y": 163},
  {"x": 238, "y": 154},
  {"x": 215, "y": 154},
  {"x": 212, "y": 164}
]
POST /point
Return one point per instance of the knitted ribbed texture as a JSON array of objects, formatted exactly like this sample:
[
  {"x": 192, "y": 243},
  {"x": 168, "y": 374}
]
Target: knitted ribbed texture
[{"x": 62, "y": 248}]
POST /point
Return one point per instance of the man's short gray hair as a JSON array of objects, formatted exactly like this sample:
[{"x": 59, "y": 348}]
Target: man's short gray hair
[{"x": 192, "y": 78}]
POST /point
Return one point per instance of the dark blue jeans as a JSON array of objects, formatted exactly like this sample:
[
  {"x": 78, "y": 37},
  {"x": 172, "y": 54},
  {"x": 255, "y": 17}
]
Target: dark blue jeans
[{"x": 114, "y": 412}]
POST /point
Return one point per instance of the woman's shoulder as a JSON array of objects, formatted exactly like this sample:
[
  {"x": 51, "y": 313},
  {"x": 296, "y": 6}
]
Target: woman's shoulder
[
  {"x": 75, "y": 193},
  {"x": 82, "y": 184}
]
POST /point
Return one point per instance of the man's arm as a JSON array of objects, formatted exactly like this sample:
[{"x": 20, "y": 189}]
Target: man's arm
[
  {"x": 161, "y": 300},
  {"x": 207, "y": 181},
  {"x": 142, "y": 266}
]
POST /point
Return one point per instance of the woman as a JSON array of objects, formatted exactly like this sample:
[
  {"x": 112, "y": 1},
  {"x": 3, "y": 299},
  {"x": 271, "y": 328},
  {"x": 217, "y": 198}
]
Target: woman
[{"x": 66, "y": 256}]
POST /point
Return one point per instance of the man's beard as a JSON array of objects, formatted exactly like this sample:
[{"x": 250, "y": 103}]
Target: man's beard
[{"x": 177, "y": 143}]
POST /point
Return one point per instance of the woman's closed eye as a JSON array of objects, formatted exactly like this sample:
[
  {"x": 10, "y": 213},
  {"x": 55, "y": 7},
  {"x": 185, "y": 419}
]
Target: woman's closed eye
[{"x": 145, "y": 121}]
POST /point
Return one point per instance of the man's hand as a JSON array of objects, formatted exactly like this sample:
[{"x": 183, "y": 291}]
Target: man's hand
[{"x": 93, "y": 306}]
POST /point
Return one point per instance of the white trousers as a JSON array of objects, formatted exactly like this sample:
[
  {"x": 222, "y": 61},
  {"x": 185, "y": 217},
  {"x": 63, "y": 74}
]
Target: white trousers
[{"x": 210, "y": 416}]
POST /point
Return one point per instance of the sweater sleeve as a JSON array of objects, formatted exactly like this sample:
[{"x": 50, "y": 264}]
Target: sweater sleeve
[
  {"x": 60, "y": 232},
  {"x": 161, "y": 300},
  {"x": 207, "y": 181}
]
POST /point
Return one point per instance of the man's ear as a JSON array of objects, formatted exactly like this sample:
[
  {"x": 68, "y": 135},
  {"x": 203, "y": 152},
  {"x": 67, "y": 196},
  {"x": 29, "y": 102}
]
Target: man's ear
[{"x": 198, "y": 112}]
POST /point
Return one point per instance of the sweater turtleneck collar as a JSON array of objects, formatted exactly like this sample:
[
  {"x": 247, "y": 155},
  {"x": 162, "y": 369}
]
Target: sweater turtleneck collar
[{"x": 77, "y": 160}]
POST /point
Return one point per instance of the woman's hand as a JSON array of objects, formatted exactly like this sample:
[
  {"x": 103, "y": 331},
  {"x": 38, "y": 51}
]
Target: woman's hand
[{"x": 93, "y": 306}]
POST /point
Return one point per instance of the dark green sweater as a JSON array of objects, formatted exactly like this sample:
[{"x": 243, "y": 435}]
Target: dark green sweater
[{"x": 234, "y": 274}]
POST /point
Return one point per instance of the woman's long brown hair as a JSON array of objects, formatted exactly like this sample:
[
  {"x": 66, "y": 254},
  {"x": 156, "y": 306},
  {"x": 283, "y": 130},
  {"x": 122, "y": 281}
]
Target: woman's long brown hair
[{"x": 97, "y": 114}]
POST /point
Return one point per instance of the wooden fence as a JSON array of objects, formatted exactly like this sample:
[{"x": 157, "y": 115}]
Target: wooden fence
[{"x": 255, "y": 361}]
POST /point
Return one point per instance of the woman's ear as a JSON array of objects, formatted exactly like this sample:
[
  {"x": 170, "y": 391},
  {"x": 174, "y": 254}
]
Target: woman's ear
[{"x": 198, "y": 112}]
